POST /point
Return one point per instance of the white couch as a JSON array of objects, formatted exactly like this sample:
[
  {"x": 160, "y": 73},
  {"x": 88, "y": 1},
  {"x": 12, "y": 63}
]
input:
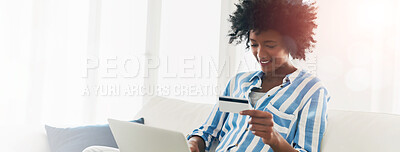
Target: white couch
[{"x": 347, "y": 131}]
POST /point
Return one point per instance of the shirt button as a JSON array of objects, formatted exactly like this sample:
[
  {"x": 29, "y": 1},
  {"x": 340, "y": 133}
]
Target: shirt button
[
  {"x": 236, "y": 145},
  {"x": 247, "y": 129},
  {"x": 281, "y": 86},
  {"x": 269, "y": 95}
]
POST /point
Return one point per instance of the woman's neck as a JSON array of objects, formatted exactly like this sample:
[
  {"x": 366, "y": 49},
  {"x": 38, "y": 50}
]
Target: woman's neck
[{"x": 279, "y": 73}]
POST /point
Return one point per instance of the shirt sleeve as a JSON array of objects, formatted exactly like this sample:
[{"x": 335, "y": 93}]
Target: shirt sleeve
[
  {"x": 312, "y": 122},
  {"x": 211, "y": 128}
]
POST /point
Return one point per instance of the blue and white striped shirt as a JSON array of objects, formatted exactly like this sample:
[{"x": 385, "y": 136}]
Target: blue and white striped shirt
[{"x": 298, "y": 105}]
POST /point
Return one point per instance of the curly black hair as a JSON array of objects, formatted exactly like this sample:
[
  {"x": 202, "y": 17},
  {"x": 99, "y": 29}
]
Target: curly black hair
[{"x": 291, "y": 18}]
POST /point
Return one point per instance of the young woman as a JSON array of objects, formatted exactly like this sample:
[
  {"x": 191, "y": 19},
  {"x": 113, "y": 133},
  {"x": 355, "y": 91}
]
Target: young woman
[{"x": 290, "y": 104}]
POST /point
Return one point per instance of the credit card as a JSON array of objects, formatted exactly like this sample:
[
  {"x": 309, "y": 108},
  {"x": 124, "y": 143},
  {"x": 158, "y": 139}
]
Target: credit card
[{"x": 232, "y": 104}]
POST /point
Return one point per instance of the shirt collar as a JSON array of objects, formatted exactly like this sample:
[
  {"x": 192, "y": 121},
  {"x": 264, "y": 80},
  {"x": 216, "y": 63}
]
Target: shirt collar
[
  {"x": 257, "y": 74},
  {"x": 289, "y": 77}
]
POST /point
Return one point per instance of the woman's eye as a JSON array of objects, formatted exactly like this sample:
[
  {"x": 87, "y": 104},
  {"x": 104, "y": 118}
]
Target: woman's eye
[
  {"x": 254, "y": 45},
  {"x": 270, "y": 46}
]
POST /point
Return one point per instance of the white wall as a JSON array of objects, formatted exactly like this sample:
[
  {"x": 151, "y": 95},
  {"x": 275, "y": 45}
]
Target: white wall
[{"x": 357, "y": 53}]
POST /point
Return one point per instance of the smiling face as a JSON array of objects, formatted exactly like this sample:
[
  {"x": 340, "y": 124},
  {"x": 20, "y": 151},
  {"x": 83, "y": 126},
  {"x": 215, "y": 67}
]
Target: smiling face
[{"x": 269, "y": 50}]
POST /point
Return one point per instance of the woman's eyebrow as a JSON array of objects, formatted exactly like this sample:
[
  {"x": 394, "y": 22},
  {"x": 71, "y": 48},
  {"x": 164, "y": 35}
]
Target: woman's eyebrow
[{"x": 267, "y": 41}]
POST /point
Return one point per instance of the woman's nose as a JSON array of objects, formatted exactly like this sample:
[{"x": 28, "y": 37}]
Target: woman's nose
[{"x": 261, "y": 53}]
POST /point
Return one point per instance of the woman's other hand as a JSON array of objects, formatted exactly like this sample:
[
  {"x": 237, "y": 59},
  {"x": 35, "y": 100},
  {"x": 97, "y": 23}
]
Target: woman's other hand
[{"x": 196, "y": 144}]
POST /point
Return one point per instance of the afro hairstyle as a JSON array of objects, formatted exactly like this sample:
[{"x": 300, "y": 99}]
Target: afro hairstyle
[{"x": 293, "y": 19}]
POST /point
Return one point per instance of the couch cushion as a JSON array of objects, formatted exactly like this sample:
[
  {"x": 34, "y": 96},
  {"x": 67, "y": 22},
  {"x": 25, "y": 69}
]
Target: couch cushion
[
  {"x": 78, "y": 138},
  {"x": 174, "y": 114},
  {"x": 350, "y": 131},
  {"x": 347, "y": 131}
]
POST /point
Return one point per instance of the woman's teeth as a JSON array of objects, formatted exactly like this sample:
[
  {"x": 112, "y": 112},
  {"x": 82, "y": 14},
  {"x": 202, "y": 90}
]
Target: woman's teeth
[{"x": 264, "y": 61}]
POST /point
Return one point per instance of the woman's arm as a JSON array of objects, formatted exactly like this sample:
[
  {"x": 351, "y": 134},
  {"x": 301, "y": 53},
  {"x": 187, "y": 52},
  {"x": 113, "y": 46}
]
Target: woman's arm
[
  {"x": 310, "y": 129},
  {"x": 312, "y": 121},
  {"x": 213, "y": 125}
]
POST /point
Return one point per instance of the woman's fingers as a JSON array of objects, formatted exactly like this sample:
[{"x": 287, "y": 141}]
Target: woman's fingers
[
  {"x": 264, "y": 135},
  {"x": 262, "y": 131},
  {"x": 256, "y": 113},
  {"x": 263, "y": 128},
  {"x": 194, "y": 148},
  {"x": 261, "y": 121}
]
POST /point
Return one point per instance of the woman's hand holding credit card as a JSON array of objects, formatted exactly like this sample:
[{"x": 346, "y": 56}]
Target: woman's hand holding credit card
[
  {"x": 233, "y": 105},
  {"x": 261, "y": 122}
]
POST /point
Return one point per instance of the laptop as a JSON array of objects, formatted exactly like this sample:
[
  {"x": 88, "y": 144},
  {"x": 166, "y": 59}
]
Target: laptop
[{"x": 134, "y": 137}]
